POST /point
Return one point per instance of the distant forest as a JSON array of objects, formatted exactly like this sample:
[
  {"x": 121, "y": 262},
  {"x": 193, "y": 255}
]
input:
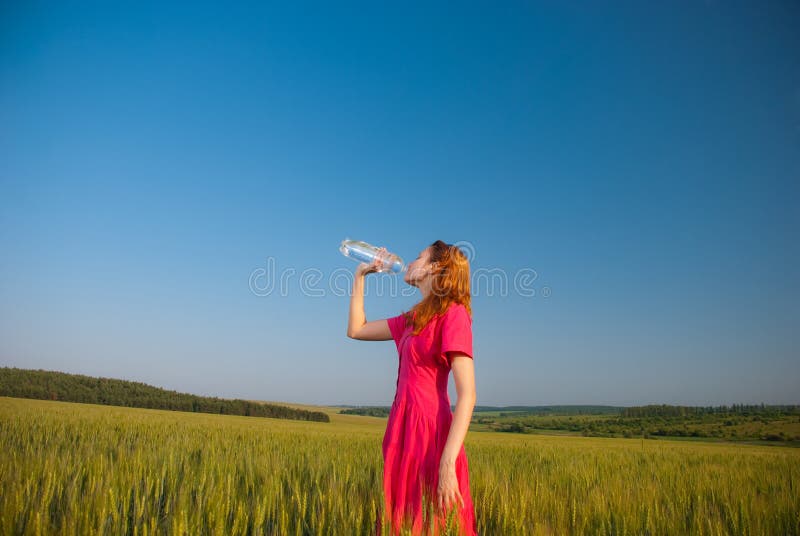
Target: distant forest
[
  {"x": 664, "y": 410},
  {"x": 52, "y": 385},
  {"x": 371, "y": 411}
]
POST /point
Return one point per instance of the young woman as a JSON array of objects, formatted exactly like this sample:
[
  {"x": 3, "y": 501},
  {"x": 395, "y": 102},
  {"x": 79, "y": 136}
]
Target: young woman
[{"x": 425, "y": 471}]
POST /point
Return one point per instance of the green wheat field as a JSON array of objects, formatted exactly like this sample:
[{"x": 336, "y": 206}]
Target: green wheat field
[{"x": 70, "y": 468}]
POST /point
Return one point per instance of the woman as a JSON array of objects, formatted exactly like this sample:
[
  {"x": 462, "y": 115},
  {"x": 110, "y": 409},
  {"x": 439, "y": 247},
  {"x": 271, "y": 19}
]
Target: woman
[{"x": 425, "y": 471}]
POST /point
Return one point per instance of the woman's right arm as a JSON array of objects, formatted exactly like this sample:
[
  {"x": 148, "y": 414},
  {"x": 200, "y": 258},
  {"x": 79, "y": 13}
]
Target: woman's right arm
[{"x": 358, "y": 327}]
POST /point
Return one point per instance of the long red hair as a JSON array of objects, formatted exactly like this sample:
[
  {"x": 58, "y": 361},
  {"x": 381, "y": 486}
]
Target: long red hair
[{"x": 450, "y": 284}]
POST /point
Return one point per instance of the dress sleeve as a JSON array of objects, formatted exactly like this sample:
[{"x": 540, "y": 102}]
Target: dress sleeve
[
  {"x": 456, "y": 332},
  {"x": 397, "y": 327}
]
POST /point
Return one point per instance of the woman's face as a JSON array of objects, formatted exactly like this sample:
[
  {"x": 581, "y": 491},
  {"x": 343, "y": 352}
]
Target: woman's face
[{"x": 418, "y": 269}]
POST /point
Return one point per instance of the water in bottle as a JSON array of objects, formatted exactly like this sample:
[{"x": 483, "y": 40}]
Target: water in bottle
[{"x": 363, "y": 252}]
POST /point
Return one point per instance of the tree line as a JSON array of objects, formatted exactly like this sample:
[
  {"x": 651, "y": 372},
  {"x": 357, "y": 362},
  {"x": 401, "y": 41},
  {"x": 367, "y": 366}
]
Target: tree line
[
  {"x": 664, "y": 410},
  {"x": 53, "y": 385},
  {"x": 371, "y": 411}
]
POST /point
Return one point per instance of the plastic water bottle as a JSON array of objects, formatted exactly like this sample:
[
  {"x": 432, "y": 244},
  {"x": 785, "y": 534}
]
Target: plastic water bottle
[{"x": 363, "y": 252}]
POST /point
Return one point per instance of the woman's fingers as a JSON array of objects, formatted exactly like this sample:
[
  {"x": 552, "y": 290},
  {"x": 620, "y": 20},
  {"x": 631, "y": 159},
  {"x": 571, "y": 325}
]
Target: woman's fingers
[
  {"x": 378, "y": 260},
  {"x": 449, "y": 499},
  {"x": 442, "y": 498}
]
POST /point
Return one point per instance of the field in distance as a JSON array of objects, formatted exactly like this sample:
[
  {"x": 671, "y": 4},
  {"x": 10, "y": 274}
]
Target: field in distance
[{"x": 740, "y": 423}]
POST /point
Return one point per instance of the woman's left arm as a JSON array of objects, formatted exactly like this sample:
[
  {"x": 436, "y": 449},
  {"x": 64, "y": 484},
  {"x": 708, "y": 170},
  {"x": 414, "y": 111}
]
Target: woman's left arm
[
  {"x": 464, "y": 375},
  {"x": 448, "y": 491}
]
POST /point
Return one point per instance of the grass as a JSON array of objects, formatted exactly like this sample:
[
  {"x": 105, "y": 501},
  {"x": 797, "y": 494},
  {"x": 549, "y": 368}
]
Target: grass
[{"x": 72, "y": 468}]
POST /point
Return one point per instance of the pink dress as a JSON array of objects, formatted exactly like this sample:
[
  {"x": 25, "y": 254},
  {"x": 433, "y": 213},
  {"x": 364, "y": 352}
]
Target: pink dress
[{"x": 419, "y": 422}]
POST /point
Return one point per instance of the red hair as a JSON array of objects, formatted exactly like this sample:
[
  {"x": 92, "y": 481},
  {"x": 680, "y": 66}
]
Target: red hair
[{"x": 450, "y": 284}]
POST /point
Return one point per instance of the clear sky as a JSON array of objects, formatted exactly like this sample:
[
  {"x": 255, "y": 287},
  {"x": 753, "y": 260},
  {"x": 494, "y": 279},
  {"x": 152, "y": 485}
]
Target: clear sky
[{"x": 642, "y": 159}]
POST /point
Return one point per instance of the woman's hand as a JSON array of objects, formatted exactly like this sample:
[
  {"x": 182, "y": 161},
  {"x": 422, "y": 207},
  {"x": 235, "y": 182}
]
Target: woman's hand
[
  {"x": 368, "y": 268},
  {"x": 448, "y": 492}
]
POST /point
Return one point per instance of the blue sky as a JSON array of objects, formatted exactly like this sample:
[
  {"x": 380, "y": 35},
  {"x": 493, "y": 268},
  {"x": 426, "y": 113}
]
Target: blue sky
[{"x": 642, "y": 159}]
